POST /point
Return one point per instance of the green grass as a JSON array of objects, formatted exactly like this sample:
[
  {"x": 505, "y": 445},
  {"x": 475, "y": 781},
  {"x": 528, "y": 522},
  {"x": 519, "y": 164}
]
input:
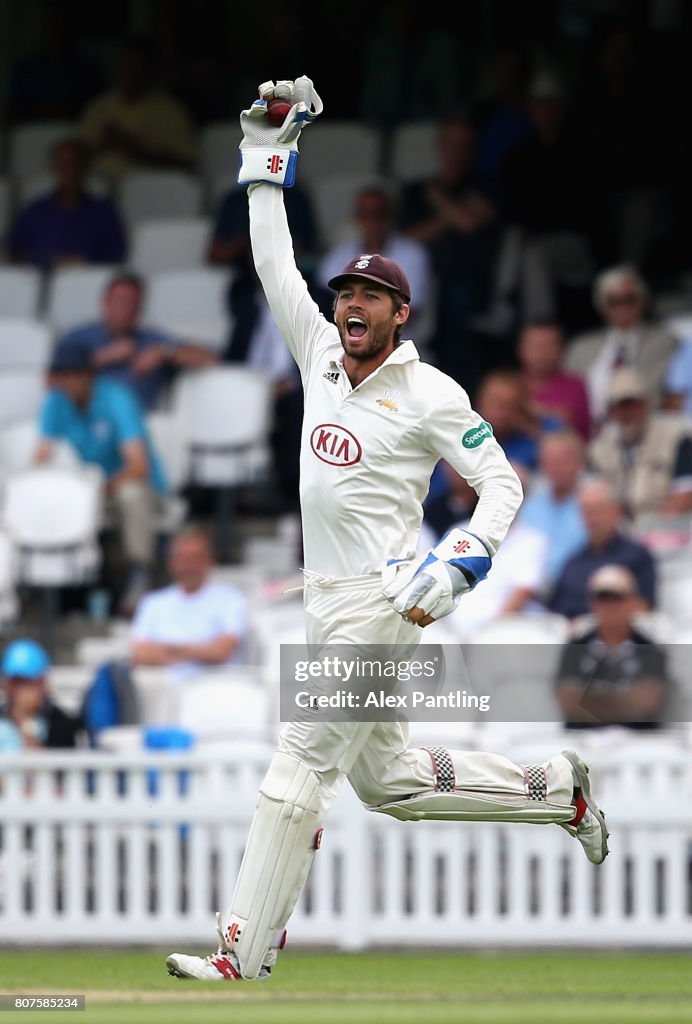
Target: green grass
[{"x": 132, "y": 987}]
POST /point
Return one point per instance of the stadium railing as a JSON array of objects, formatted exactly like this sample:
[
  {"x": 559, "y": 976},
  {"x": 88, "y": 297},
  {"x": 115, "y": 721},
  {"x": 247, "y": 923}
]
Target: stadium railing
[{"x": 127, "y": 848}]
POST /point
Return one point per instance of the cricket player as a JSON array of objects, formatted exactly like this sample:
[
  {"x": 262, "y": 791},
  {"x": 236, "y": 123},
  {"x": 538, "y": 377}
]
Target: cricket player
[{"x": 376, "y": 422}]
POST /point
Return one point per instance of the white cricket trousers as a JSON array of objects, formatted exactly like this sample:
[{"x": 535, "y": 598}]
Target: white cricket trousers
[{"x": 314, "y": 758}]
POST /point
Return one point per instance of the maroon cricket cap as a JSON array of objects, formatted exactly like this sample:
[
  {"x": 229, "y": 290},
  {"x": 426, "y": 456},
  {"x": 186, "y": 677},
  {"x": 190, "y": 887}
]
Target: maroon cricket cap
[{"x": 378, "y": 269}]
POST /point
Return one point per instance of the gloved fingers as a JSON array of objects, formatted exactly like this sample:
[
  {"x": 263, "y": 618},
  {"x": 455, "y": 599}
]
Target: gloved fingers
[
  {"x": 421, "y": 592},
  {"x": 305, "y": 92},
  {"x": 281, "y": 90},
  {"x": 395, "y": 576}
]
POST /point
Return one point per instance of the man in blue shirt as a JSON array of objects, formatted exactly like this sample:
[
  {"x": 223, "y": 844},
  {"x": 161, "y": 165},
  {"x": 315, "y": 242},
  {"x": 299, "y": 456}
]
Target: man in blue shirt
[
  {"x": 552, "y": 505},
  {"x": 141, "y": 358},
  {"x": 69, "y": 224},
  {"x": 104, "y": 423},
  {"x": 606, "y": 545}
]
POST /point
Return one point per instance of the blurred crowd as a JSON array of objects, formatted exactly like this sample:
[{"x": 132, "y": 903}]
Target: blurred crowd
[{"x": 537, "y": 249}]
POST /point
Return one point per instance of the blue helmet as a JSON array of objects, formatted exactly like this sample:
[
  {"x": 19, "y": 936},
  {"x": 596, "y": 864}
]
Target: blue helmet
[{"x": 25, "y": 659}]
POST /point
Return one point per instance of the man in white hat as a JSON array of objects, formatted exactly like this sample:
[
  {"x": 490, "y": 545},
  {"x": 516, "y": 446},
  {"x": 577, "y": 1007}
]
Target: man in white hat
[{"x": 646, "y": 454}]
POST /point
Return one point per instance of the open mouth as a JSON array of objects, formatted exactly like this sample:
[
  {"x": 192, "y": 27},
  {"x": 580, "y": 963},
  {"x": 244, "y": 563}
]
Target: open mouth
[{"x": 356, "y": 328}]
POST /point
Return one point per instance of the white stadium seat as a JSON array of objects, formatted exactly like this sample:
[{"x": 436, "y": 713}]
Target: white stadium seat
[
  {"x": 21, "y": 394},
  {"x": 218, "y": 147},
  {"x": 146, "y": 195},
  {"x": 191, "y": 304},
  {"x": 74, "y": 295},
  {"x": 56, "y": 539},
  {"x": 225, "y": 414},
  {"x": 414, "y": 151},
  {"x": 18, "y": 443},
  {"x": 20, "y": 292},
  {"x": 339, "y": 147},
  {"x": 334, "y": 197},
  {"x": 225, "y": 703},
  {"x": 24, "y": 344},
  {"x": 177, "y": 243}
]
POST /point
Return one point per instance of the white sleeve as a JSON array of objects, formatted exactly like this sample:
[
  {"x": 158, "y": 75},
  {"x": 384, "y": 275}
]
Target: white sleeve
[
  {"x": 235, "y": 614},
  {"x": 297, "y": 315},
  {"x": 455, "y": 432},
  {"x": 142, "y": 628}
]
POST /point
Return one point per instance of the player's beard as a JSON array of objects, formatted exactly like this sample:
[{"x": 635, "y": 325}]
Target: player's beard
[{"x": 380, "y": 339}]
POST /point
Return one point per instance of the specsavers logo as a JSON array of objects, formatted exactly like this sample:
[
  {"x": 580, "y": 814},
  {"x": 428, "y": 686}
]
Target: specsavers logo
[
  {"x": 477, "y": 435},
  {"x": 335, "y": 445}
]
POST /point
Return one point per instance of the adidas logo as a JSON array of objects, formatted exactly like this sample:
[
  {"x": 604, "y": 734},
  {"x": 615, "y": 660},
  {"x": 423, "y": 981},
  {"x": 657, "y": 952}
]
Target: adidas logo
[{"x": 332, "y": 376}]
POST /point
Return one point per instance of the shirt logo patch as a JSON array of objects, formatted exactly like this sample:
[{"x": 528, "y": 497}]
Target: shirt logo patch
[
  {"x": 332, "y": 376},
  {"x": 477, "y": 435},
  {"x": 390, "y": 400},
  {"x": 335, "y": 445}
]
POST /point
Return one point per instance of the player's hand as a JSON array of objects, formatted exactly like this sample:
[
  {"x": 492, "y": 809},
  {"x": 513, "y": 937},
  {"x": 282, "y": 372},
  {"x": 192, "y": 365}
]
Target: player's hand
[
  {"x": 418, "y": 617},
  {"x": 271, "y": 153},
  {"x": 430, "y": 588}
]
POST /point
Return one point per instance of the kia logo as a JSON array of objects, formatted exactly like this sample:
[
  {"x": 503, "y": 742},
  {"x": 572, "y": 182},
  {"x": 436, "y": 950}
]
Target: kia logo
[{"x": 335, "y": 445}]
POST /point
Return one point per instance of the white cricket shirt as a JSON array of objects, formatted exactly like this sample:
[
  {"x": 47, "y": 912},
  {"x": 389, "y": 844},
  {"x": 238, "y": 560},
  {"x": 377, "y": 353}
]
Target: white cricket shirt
[{"x": 368, "y": 452}]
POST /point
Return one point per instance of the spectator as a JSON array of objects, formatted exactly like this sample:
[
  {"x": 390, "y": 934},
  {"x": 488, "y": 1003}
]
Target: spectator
[
  {"x": 69, "y": 224},
  {"x": 455, "y": 214},
  {"x": 627, "y": 338},
  {"x": 646, "y": 455},
  {"x": 54, "y": 81},
  {"x": 552, "y": 506},
  {"x": 408, "y": 66},
  {"x": 141, "y": 358},
  {"x": 103, "y": 422},
  {"x": 503, "y": 401},
  {"x": 607, "y": 544},
  {"x": 499, "y": 110},
  {"x": 548, "y": 189},
  {"x": 612, "y": 674},
  {"x": 375, "y": 223},
  {"x": 29, "y": 719},
  {"x": 678, "y": 383},
  {"x": 195, "y": 622},
  {"x": 622, "y": 99},
  {"x": 552, "y": 392},
  {"x": 136, "y": 125}
]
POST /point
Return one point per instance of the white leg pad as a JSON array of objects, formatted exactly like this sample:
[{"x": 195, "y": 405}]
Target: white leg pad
[
  {"x": 476, "y": 786},
  {"x": 277, "y": 859}
]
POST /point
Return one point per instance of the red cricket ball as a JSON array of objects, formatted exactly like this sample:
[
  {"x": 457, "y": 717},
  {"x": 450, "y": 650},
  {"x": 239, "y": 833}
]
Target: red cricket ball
[{"x": 276, "y": 112}]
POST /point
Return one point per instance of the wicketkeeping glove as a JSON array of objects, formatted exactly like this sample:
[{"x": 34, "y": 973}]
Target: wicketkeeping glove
[
  {"x": 268, "y": 153},
  {"x": 436, "y": 582}
]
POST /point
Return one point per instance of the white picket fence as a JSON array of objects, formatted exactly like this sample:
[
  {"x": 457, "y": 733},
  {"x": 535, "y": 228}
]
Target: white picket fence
[{"x": 144, "y": 848}]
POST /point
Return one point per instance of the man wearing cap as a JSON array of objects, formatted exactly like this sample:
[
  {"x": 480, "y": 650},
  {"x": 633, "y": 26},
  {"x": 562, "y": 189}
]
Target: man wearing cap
[
  {"x": 613, "y": 674},
  {"x": 376, "y": 422},
  {"x": 646, "y": 454},
  {"x": 104, "y": 423},
  {"x": 607, "y": 543},
  {"x": 28, "y": 717}
]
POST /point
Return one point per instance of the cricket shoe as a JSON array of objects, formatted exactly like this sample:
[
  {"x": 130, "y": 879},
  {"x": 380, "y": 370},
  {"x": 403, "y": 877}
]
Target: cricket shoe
[
  {"x": 222, "y": 965},
  {"x": 588, "y": 824}
]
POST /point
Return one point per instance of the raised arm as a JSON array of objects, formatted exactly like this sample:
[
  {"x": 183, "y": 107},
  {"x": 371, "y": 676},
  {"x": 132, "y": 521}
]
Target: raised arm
[{"x": 269, "y": 158}]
